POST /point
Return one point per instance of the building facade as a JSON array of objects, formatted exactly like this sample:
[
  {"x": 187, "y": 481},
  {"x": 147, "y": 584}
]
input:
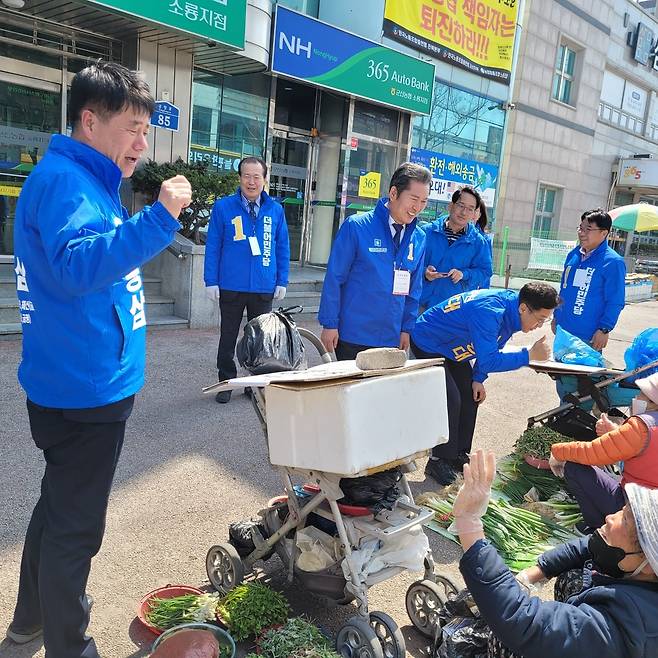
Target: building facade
[
  {"x": 583, "y": 131},
  {"x": 331, "y": 140}
]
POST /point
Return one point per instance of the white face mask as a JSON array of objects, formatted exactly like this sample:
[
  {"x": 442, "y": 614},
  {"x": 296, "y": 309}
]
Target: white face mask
[{"x": 638, "y": 407}]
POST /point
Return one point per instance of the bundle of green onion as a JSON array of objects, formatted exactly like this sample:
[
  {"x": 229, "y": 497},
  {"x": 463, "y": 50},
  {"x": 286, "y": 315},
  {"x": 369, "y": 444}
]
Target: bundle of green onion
[
  {"x": 516, "y": 478},
  {"x": 166, "y": 613},
  {"x": 520, "y": 535}
]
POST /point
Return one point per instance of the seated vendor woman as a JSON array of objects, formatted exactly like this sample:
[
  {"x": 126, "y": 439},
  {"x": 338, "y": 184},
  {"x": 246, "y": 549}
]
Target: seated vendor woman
[
  {"x": 635, "y": 443},
  {"x": 613, "y": 614}
]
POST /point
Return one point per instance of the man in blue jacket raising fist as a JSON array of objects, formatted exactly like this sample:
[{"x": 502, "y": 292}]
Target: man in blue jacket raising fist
[
  {"x": 77, "y": 258},
  {"x": 247, "y": 259},
  {"x": 374, "y": 275}
]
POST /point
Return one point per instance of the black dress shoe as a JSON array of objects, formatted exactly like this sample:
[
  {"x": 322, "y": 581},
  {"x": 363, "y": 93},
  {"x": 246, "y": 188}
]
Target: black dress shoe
[
  {"x": 441, "y": 471},
  {"x": 223, "y": 397}
]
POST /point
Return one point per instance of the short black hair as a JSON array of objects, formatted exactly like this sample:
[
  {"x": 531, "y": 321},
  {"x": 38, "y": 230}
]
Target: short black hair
[
  {"x": 408, "y": 172},
  {"x": 537, "y": 295},
  {"x": 252, "y": 159},
  {"x": 483, "y": 219},
  {"x": 599, "y": 217},
  {"x": 108, "y": 88},
  {"x": 457, "y": 194}
]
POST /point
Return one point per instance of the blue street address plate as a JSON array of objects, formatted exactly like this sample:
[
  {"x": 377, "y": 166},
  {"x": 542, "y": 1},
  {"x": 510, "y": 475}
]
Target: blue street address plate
[{"x": 165, "y": 116}]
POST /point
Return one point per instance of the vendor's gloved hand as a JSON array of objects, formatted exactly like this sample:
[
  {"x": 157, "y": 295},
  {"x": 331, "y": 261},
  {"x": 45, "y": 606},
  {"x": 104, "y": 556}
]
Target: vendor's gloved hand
[
  {"x": 279, "y": 292},
  {"x": 212, "y": 292},
  {"x": 473, "y": 497},
  {"x": 557, "y": 466}
]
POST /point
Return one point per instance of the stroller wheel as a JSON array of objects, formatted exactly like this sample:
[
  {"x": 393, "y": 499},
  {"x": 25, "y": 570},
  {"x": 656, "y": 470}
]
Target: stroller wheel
[
  {"x": 357, "y": 639},
  {"x": 224, "y": 567},
  {"x": 389, "y": 635},
  {"x": 423, "y": 601}
]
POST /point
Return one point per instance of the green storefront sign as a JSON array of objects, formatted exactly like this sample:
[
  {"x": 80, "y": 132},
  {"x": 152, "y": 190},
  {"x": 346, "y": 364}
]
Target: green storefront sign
[
  {"x": 222, "y": 21},
  {"x": 310, "y": 50}
]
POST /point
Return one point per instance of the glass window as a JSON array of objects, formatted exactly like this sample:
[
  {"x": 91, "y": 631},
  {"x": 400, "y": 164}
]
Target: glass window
[
  {"x": 28, "y": 117},
  {"x": 461, "y": 124},
  {"x": 308, "y": 7},
  {"x": 201, "y": 125},
  {"x": 295, "y": 104},
  {"x": 375, "y": 121},
  {"x": 229, "y": 118},
  {"x": 545, "y": 210},
  {"x": 563, "y": 77}
]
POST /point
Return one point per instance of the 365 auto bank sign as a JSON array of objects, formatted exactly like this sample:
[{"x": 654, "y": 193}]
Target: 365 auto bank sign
[{"x": 312, "y": 51}]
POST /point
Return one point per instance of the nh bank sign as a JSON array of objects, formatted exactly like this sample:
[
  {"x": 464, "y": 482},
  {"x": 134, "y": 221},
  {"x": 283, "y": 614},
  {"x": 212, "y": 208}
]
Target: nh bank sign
[{"x": 323, "y": 55}]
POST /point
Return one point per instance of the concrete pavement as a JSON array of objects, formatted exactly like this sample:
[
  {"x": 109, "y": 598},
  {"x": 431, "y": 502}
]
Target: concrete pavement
[{"x": 190, "y": 467}]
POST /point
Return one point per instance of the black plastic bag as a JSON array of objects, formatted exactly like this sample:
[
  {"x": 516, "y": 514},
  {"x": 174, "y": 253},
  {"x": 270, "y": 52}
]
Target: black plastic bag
[
  {"x": 575, "y": 423},
  {"x": 463, "y": 637},
  {"x": 378, "y": 490},
  {"x": 241, "y": 537},
  {"x": 271, "y": 343}
]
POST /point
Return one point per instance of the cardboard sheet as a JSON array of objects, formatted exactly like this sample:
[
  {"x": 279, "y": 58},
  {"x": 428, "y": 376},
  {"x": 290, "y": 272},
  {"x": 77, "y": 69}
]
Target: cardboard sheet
[
  {"x": 557, "y": 368},
  {"x": 325, "y": 373}
]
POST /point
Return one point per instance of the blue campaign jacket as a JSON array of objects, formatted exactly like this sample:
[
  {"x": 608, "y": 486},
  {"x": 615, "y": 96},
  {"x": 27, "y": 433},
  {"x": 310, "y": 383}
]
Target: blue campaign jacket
[
  {"x": 595, "y": 299},
  {"x": 77, "y": 258},
  {"x": 357, "y": 294},
  {"x": 473, "y": 325},
  {"x": 471, "y": 254},
  {"x": 609, "y": 618},
  {"x": 229, "y": 262}
]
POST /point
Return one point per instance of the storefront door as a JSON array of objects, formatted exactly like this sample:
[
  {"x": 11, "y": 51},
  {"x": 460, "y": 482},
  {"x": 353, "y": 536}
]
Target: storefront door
[
  {"x": 289, "y": 174},
  {"x": 29, "y": 115}
]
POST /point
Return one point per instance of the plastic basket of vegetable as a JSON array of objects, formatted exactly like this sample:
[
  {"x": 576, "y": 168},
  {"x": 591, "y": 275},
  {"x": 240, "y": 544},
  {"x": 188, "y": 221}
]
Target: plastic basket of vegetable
[
  {"x": 172, "y": 605},
  {"x": 226, "y": 645},
  {"x": 534, "y": 445}
]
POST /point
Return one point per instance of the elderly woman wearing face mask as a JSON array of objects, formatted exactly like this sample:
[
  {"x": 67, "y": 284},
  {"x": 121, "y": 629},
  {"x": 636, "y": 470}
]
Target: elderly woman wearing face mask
[
  {"x": 613, "y": 613},
  {"x": 635, "y": 443}
]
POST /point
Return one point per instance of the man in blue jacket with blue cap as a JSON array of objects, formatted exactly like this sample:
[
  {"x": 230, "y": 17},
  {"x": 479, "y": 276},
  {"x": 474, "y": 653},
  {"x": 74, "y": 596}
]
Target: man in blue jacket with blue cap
[
  {"x": 247, "y": 259},
  {"x": 77, "y": 259},
  {"x": 477, "y": 325},
  {"x": 457, "y": 253},
  {"x": 593, "y": 282},
  {"x": 374, "y": 274}
]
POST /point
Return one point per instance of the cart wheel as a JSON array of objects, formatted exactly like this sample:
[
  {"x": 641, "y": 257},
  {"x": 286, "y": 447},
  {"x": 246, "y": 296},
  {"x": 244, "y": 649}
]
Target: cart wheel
[
  {"x": 357, "y": 639},
  {"x": 424, "y": 600},
  {"x": 449, "y": 588},
  {"x": 224, "y": 567},
  {"x": 389, "y": 635}
]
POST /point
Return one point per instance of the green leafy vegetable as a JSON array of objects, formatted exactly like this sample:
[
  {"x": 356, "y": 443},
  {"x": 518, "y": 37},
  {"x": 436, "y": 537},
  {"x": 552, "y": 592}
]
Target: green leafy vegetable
[
  {"x": 251, "y": 607},
  {"x": 537, "y": 441},
  {"x": 297, "y": 638}
]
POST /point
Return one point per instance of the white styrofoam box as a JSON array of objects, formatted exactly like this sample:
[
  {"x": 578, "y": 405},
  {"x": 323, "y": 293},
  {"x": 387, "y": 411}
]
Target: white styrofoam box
[{"x": 353, "y": 426}]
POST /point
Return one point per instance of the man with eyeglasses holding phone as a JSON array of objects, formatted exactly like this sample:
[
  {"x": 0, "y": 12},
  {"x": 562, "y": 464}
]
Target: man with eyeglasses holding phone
[
  {"x": 593, "y": 283},
  {"x": 457, "y": 254}
]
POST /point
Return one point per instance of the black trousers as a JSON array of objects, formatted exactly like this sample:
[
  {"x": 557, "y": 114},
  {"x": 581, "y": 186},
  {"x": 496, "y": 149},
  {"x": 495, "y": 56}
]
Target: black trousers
[
  {"x": 67, "y": 526},
  {"x": 347, "y": 351},
  {"x": 462, "y": 408},
  {"x": 231, "y": 306}
]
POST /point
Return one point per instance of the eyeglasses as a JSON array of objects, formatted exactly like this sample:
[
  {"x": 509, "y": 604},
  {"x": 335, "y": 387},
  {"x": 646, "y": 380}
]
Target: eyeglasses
[
  {"x": 585, "y": 229},
  {"x": 252, "y": 177},
  {"x": 540, "y": 321},
  {"x": 463, "y": 207}
]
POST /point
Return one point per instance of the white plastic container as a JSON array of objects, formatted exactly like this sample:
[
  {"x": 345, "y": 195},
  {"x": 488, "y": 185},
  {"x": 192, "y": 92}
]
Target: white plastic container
[{"x": 349, "y": 427}]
